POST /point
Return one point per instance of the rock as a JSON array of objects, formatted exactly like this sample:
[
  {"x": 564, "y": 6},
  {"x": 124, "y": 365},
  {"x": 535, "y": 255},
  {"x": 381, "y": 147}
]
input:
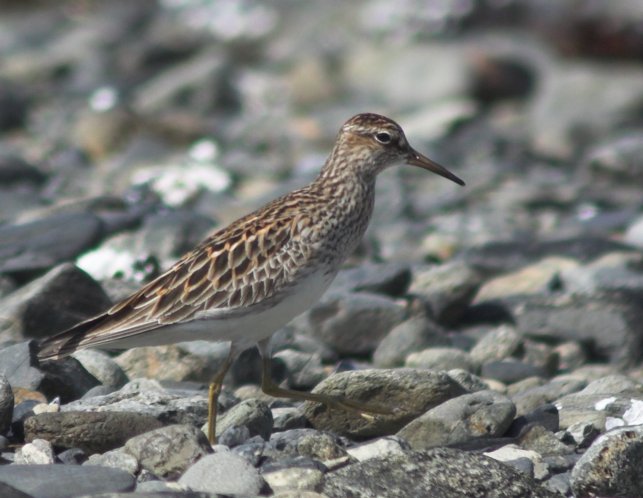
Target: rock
[
  {"x": 11, "y": 492},
  {"x": 294, "y": 479},
  {"x": 529, "y": 399},
  {"x": 168, "y": 451},
  {"x": 251, "y": 413},
  {"x": 439, "y": 473},
  {"x": 505, "y": 256},
  {"x": 28, "y": 311},
  {"x": 448, "y": 289},
  {"x": 604, "y": 411},
  {"x": 305, "y": 370},
  {"x": 148, "y": 397},
  {"x": 469, "y": 381},
  {"x": 543, "y": 441},
  {"x": 102, "y": 367},
  {"x": 353, "y": 324},
  {"x": 607, "y": 320},
  {"x": 6, "y": 404},
  {"x": 533, "y": 279},
  {"x": 115, "y": 459},
  {"x": 169, "y": 362},
  {"x": 60, "y": 481},
  {"x": 93, "y": 432},
  {"x": 582, "y": 434},
  {"x": 498, "y": 344},
  {"x": 286, "y": 418},
  {"x": 308, "y": 443},
  {"x": 42, "y": 244},
  {"x": 616, "y": 156},
  {"x": 634, "y": 233},
  {"x": 484, "y": 414},
  {"x": 610, "y": 467},
  {"x": 378, "y": 448},
  {"x": 223, "y": 473},
  {"x": 391, "y": 279},
  {"x": 411, "y": 392},
  {"x": 412, "y": 335},
  {"x": 511, "y": 454},
  {"x": 66, "y": 379},
  {"x": 509, "y": 371},
  {"x": 37, "y": 452},
  {"x": 440, "y": 359},
  {"x": 545, "y": 415}
]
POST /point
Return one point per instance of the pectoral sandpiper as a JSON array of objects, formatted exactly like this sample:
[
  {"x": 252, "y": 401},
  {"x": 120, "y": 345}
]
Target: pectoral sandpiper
[{"x": 252, "y": 277}]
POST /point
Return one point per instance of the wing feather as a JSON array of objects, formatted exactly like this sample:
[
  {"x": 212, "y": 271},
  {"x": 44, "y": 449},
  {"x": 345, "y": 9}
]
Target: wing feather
[{"x": 238, "y": 267}]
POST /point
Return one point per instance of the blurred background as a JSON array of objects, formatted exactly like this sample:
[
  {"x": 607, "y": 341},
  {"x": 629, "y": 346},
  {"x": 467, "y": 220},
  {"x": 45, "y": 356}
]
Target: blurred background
[{"x": 128, "y": 130}]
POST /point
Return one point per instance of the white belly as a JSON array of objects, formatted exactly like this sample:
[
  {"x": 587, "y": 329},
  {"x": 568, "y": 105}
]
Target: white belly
[{"x": 243, "y": 330}]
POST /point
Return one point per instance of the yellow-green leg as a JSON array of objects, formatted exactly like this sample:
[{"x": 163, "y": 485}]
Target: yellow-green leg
[
  {"x": 213, "y": 395},
  {"x": 269, "y": 387}
]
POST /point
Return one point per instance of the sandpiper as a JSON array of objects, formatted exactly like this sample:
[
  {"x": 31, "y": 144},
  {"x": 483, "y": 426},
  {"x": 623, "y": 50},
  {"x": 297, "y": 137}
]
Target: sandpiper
[{"x": 252, "y": 277}]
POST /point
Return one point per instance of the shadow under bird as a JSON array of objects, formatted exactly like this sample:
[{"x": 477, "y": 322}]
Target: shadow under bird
[{"x": 252, "y": 277}]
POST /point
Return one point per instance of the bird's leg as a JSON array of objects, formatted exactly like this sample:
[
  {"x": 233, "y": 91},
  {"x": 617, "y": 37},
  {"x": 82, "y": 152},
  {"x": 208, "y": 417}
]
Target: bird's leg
[
  {"x": 269, "y": 387},
  {"x": 213, "y": 394}
]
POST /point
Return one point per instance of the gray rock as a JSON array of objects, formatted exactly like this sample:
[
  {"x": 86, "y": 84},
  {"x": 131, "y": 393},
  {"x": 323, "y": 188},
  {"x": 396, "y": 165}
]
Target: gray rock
[
  {"x": 407, "y": 391},
  {"x": 484, "y": 414},
  {"x": 531, "y": 398},
  {"x": 147, "y": 397},
  {"x": 608, "y": 320},
  {"x": 509, "y": 371},
  {"x": 582, "y": 434},
  {"x": 169, "y": 362},
  {"x": 6, "y": 404},
  {"x": 251, "y": 413},
  {"x": 103, "y": 367},
  {"x": 498, "y": 344},
  {"x": 545, "y": 415},
  {"x": 115, "y": 459},
  {"x": 448, "y": 289},
  {"x": 295, "y": 479},
  {"x": 613, "y": 384},
  {"x": 37, "y": 452},
  {"x": 11, "y": 492},
  {"x": 232, "y": 436},
  {"x": 66, "y": 379},
  {"x": 441, "y": 359},
  {"x": 41, "y": 244},
  {"x": 308, "y": 443},
  {"x": 27, "y": 312},
  {"x": 412, "y": 335},
  {"x": 223, "y": 473},
  {"x": 468, "y": 381},
  {"x": 378, "y": 448},
  {"x": 353, "y": 324},
  {"x": 168, "y": 451},
  {"x": 286, "y": 418},
  {"x": 634, "y": 233},
  {"x": 522, "y": 460},
  {"x": 93, "y": 432},
  {"x": 62, "y": 481},
  {"x": 305, "y": 370},
  {"x": 439, "y": 473},
  {"x": 604, "y": 411},
  {"x": 502, "y": 257},
  {"x": 611, "y": 465},
  {"x": 391, "y": 279},
  {"x": 544, "y": 442},
  {"x": 533, "y": 279}
]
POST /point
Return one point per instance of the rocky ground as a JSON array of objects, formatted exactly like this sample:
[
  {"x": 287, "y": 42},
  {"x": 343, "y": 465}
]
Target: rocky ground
[{"x": 503, "y": 320}]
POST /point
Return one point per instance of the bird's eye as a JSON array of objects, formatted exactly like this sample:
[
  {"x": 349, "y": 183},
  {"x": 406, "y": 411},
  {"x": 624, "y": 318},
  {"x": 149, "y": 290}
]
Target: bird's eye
[{"x": 383, "y": 137}]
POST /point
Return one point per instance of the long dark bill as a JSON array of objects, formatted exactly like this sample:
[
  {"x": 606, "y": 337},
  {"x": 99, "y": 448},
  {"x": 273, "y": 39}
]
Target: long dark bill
[{"x": 417, "y": 159}]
